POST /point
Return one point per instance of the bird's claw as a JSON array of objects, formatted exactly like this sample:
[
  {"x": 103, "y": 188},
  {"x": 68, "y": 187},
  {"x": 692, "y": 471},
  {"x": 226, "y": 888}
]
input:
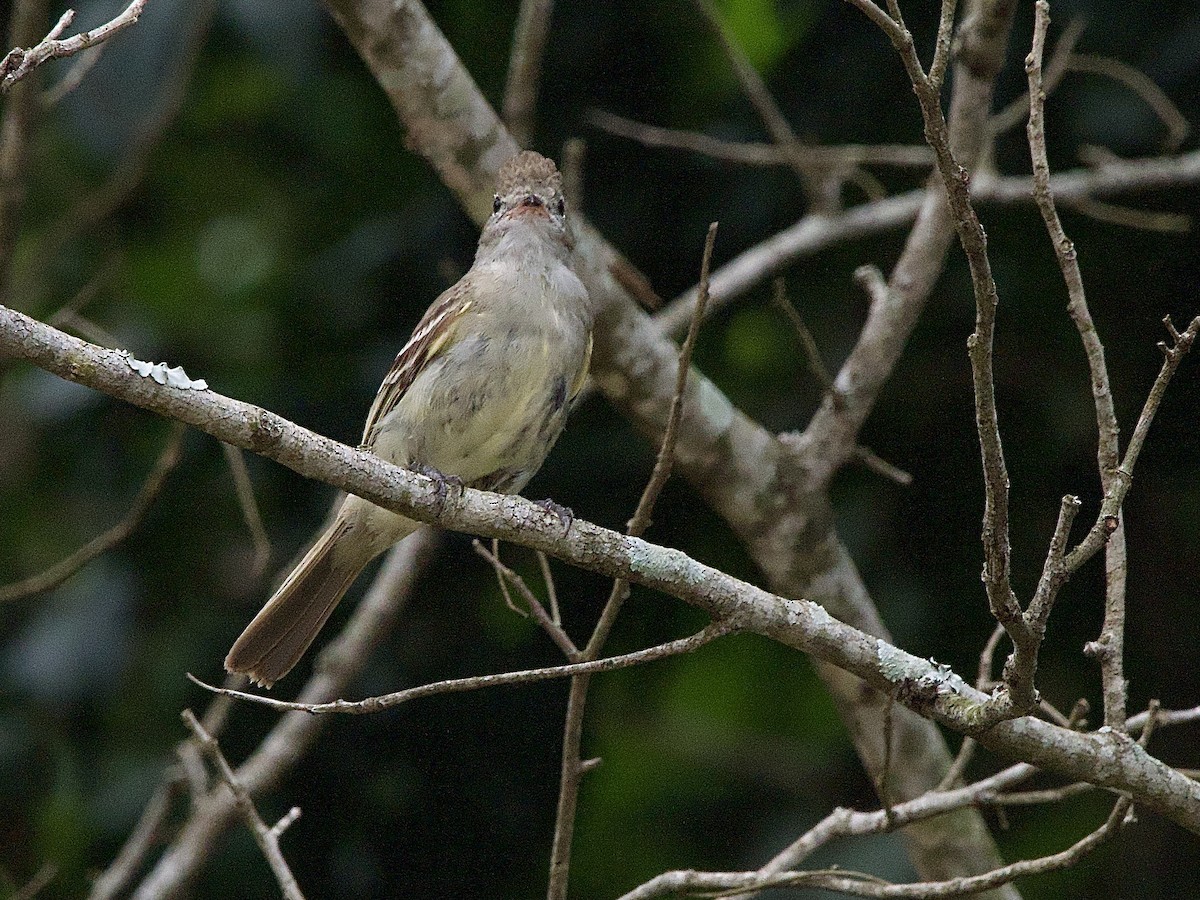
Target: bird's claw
[
  {"x": 565, "y": 514},
  {"x": 441, "y": 482}
]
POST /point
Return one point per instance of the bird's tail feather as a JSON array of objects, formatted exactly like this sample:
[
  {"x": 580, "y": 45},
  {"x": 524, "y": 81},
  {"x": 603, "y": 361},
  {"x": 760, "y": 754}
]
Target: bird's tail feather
[{"x": 285, "y": 627}]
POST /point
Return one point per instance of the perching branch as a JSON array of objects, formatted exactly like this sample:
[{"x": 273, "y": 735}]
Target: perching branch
[{"x": 927, "y": 689}]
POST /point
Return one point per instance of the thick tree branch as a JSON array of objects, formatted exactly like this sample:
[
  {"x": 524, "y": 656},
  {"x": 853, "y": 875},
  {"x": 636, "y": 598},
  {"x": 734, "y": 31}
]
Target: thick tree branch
[{"x": 1104, "y": 759}]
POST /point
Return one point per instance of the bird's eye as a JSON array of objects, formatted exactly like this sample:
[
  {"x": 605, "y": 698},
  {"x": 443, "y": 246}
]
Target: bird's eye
[
  {"x": 561, "y": 206},
  {"x": 496, "y": 204}
]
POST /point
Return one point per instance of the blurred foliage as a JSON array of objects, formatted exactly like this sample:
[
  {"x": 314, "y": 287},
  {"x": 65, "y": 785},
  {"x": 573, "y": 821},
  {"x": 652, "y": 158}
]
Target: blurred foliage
[{"x": 282, "y": 243}]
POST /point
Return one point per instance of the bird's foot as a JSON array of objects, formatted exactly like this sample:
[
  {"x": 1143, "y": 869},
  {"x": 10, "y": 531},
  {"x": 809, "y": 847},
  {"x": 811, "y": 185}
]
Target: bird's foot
[
  {"x": 441, "y": 482},
  {"x": 565, "y": 514}
]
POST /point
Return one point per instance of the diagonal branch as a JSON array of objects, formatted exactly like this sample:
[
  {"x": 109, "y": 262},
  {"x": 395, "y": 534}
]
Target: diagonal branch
[
  {"x": 926, "y": 688},
  {"x": 266, "y": 837}
]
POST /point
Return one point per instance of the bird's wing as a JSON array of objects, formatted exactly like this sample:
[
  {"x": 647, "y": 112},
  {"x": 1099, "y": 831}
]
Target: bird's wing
[
  {"x": 581, "y": 376},
  {"x": 434, "y": 334}
]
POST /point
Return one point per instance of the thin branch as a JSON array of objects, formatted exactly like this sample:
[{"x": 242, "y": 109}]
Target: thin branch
[
  {"x": 1128, "y": 217},
  {"x": 551, "y": 591},
  {"x": 266, "y": 837},
  {"x": 759, "y": 95},
  {"x": 1108, "y": 448},
  {"x": 249, "y": 507},
  {"x": 843, "y": 822},
  {"x": 942, "y": 45},
  {"x": 525, "y": 69},
  {"x": 503, "y": 582},
  {"x": 873, "y": 462},
  {"x": 505, "y": 575},
  {"x": 572, "y": 765},
  {"x": 817, "y": 232},
  {"x": 111, "y": 883},
  {"x": 74, "y": 77},
  {"x": 1017, "y": 111},
  {"x": 151, "y": 825},
  {"x": 692, "y": 883},
  {"x": 19, "y": 63},
  {"x": 100, "y": 203},
  {"x": 1107, "y": 520},
  {"x": 52, "y": 577},
  {"x": 995, "y": 531},
  {"x": 17, "y": 129},
  {"x": 292, "y": 736},
  {"x": 812, "y": 353},
  {"x": 478, "y": 682},
  {"x": 901, "y": 156}
]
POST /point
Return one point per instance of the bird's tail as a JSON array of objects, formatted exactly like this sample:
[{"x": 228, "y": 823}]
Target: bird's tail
[{"x": 285, "y": 627}]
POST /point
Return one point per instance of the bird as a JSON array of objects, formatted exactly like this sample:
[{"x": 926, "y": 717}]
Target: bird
[{"x": 478, "y": 396}]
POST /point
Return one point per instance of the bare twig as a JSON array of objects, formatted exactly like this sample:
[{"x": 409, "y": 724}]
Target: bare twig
[
  {"x": 102, "y": 543},
  {"x": 478, "y": 682},
  {"x": 266, "y": 837},
  {"x": 1106, "y": 522},
  {"x": 873, "y": 462},
  {"x": 249, "y": 506},
  {"x": 505, "y": 575},
  {"x": 822, "y": 196},
  {"x": 74, "y": 76},
  {"x": 17, "y": 129},
  {"x": 812, "y": 354},
  {"x": 503, "y": 582},
  {"x": 819, "y": 231},
  {"x": 551, "y": 591},
  {"x": 815, "y": 156},
  {"x": 525, "y": 69},
  {"x": 19, "y": 63},
  {"x": 1108, "y": 448},
  {"x": 291, "y": 737},
  {"x": 1128, "y": 217},
  {"x": 1017, "y": 111},
  {"x": 692, "y": 883},
  {"x": 111, "y": 883},
  {"x": 572, "y": 767}
]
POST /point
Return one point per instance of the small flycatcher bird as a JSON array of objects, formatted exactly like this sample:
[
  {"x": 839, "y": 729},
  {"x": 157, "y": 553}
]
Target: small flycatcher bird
[{"x": 479, "y": 394}]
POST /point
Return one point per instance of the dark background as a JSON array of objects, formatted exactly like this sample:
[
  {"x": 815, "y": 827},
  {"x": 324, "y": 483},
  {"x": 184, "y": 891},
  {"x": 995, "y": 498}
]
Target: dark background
[{"x": 281, "y": 245}]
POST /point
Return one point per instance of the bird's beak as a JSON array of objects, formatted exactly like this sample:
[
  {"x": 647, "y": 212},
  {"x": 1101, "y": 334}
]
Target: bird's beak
[{"x": 530, "y": 205}]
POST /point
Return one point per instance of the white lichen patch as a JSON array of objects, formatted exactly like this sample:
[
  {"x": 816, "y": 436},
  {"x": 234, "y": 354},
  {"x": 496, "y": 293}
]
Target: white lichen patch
[
  {"x": 664, "y": 562},
  {"x": 898, "y": 666},
  {"x": 169, "y": 376}
]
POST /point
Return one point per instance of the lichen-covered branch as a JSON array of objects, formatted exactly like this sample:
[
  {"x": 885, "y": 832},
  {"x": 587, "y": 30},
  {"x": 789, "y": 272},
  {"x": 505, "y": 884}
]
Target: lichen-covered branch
[{"x": 1105, "y": 759}]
